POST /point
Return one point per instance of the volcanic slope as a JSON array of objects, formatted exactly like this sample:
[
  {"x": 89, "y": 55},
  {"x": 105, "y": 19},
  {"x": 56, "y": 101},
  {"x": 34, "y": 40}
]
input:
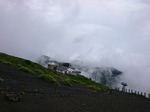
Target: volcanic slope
[{"x": 43, "y": 90}]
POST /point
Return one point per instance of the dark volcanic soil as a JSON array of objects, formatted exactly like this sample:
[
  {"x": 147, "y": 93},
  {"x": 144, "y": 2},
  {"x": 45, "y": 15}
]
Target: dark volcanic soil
[{"x": 40, "y": 96}]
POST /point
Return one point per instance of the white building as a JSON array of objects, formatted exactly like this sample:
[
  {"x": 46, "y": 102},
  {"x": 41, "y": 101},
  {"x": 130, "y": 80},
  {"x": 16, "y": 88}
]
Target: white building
[
  {"x": 67, "y": 70},
  {"x": 52, "y": 65}
]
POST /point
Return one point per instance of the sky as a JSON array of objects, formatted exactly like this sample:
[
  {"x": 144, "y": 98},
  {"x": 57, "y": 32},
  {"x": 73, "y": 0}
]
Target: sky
[{"x": 103, "y": 33}]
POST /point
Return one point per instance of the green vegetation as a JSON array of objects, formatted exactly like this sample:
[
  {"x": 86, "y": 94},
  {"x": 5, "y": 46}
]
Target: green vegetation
[
  {"x": 22, "y": 93},
  {"x": 36, "y": 90},
  {"x": 39, "y": 71},
  {"x": 51, "y": 76},
  {"x": 87, "y": 82},
  {"x": 5, "y": 62},
  {"x": 48, "y": 78},
  {"x": 22, "y": 64},
  {"x": 80, "y": 79},
  {"x": 67, "y": 82},
  {"x": 1, "y": 80},
  {"x": 25, "y": 69},
  {"x": 95, "y": 88}
]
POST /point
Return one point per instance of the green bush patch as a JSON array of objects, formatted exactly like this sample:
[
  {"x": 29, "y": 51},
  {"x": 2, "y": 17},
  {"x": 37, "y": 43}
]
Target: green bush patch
[
  {"x": 87, "y": 82},
  {"x": 1, "y": 80},
  {"x": 28, "y": 62},
  {"x": 39, "y": 71},
  {"x": 48, "y": 78},
  {"x": 36, "y": 90},
  {"x": 67, "y": 82},
  {"x": 25, "y": 69},
  {"x": 5, "y": 62},
  {"x": 95, "y": 88}
]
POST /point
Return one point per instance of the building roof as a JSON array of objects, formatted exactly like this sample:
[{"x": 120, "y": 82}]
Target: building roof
[
  {"x": 67, "y": 64},
  {"x": 77, "y": 71},
  {"x": 71, "y": 69},
  {"x": 51, "y": 63},
  {"x": 62, "y": 68},
  {"x": 124, "y": 84}
]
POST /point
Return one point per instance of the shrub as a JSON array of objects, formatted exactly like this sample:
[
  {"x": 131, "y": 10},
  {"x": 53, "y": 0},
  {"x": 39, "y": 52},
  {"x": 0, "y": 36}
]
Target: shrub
[
  {"x": 87, "y": 82},
  {"x": 95, "y": 88},
  {"x": 22, "y": 93},
  {"x": 80, "y": 79},
  {"x": 48, "y": 78},
  {"x": 36, "y": 90},
  {"x": 5, "y": 62},
  {"x": 59, "y": 76},
  {"x": 39, "y": 71},
  {"x": 25, "y": 69},
  {"x": 19, "y": 65},
  {"x": 58, "y": 84},
  {"x": 1, "y": 80},
  {"x": 67, "y": 82},
  {"x": 27, "y": 62}
]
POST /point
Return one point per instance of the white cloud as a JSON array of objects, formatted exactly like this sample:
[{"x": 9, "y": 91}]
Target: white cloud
[{"x": 101, "y": 32}]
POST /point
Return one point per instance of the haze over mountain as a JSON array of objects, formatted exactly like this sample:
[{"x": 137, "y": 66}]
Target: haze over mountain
[
  {"x": 98, "y": 33},
  {"x": 107, "y": 76}
]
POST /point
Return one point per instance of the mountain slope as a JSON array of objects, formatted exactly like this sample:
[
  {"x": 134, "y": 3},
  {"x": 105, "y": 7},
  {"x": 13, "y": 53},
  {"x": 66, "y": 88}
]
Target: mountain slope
[
  {"x": 49, "y": 75},
  {"x": 107, "y": 76},
  {"x": 55, "y": 96}
]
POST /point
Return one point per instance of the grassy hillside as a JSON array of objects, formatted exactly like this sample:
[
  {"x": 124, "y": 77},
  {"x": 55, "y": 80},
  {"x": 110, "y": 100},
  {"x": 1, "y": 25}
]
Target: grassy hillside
[{"x": 50, "y": 76}]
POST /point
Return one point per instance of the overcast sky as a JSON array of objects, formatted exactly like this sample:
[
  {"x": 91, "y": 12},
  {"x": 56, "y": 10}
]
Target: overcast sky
[{"x": 114, "y": 33}]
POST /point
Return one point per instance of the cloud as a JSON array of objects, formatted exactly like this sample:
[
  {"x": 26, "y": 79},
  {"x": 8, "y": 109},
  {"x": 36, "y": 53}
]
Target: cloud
[{"x": 99, "y": 32}]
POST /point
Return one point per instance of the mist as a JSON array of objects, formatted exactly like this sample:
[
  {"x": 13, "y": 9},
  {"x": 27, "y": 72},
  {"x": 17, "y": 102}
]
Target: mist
[{"x": 99, "y": 33}]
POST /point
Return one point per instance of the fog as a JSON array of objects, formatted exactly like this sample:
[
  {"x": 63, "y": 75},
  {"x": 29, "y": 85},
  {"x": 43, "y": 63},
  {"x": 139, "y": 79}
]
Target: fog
[{"x": 103, "y": 33}]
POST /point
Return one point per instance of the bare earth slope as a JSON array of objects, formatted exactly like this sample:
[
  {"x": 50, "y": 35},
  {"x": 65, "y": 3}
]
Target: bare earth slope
[{"x": 40, "y": 96}]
